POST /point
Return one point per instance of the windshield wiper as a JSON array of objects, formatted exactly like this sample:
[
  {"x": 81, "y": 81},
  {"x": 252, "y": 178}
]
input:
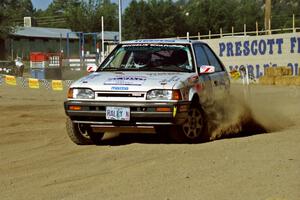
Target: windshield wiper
[
  {"x": 172, "y": 68},
  {"x": 120, "y": 69},
  {"x": 109, "y": 69}
]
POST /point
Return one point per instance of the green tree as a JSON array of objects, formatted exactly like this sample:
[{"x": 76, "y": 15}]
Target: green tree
[
  {"x": 86, "y": 16},
  {"x": 282, "y": 12},
  {"x": 249, "y": 12},
  {"x": 205, "y": 15},
  {"x": 4, "y": 19},
  {"x": 12, "y": 13},
  {"x": 56, "y": 13},
  {"x": 135, "y": 20},
  {"x": 153, "y": 19}
]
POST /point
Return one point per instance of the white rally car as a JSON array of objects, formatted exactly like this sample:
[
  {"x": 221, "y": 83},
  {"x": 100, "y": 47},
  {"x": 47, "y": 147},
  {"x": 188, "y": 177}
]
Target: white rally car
[{"x": 148, "y": 86}]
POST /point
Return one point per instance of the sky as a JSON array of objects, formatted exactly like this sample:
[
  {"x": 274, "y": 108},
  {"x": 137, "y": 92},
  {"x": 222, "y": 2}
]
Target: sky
[{"x": 43, "y": 4}]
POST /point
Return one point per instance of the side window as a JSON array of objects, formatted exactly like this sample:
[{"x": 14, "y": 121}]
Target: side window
[
  {"x": 213, "y": 60},
  {"x": 200, "y": 56}
]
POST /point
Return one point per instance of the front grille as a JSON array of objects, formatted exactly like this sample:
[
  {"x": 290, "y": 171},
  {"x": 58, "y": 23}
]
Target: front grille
[
  {"x": 135, "y": 94},
  {"x": 103, "y": 108}
]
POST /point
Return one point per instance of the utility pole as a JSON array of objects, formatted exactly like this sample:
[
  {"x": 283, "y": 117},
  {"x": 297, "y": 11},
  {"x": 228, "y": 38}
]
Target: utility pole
[
  {"x": 120, "y": 21},
  {"x": 268, "y": 5},
  {"x": 102, "y": 38}
]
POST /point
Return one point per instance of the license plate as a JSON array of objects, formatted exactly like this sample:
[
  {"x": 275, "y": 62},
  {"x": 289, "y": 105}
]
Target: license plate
[{"x": 118, "y": 113}]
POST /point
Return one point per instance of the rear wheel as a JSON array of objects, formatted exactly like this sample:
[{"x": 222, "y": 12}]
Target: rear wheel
[{"x": 194, "y": 128}]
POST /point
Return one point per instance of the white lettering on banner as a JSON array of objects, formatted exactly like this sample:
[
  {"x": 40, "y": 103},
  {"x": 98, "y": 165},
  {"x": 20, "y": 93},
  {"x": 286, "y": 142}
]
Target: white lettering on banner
[{"x": 258, "y": 52}]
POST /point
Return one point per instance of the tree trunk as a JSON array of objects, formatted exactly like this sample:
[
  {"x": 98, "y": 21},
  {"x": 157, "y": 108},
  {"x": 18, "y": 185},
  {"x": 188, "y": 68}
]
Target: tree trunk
[{"x": 2, "y": 49}]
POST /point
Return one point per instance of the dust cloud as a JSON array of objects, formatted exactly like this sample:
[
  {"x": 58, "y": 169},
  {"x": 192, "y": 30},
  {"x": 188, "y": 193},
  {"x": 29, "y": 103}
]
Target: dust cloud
[{"x": 242, "y": 114}]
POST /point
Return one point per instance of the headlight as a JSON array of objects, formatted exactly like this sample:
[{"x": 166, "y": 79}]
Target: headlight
[
  {"x": 163, "y": 95},
  {"x": 81, "y": 93}
]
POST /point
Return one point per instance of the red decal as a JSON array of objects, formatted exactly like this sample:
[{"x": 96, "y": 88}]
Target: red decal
[
  {"x": 198, "y": 87},
  {"x": 89, "y": 69}
]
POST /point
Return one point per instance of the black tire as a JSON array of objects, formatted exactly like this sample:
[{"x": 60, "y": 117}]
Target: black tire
[
  {"x": 82, "y": 134},
  {"x": 96, "y": 137},
  {"x": 77, "y": 133},
  {"x": 162, "y": 132},
  {"x": 194, "y": 129}
]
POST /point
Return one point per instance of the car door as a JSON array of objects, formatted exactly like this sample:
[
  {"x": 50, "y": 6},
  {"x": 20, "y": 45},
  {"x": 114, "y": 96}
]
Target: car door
[
  {"x": 219, "y": 79},
  {"x": 204, "y": 80}
]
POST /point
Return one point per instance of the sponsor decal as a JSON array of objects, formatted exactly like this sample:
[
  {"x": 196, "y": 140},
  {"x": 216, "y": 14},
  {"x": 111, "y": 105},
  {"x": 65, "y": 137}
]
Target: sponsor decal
[
  {"x": 119, "y": 88},
  {"x": 33, "y": 83},
  {"x": 90, "y": 77},
  {"x": 172, "y": 79},
  {"x": 258, "y": 52},
  {"x": 161, "y": 74},
  {"x": 10, "y": 80},
  {"x": 153, "y": 41},
  {"x": 126, "y": 80},
  {"x": 57, "y": 85},
  {"x": 235, "y": 74}
]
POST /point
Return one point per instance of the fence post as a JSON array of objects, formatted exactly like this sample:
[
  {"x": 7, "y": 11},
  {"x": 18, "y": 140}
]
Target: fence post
[
  {"x": 232, "y": 30},
  {"x": 12, "y": 48},
  {"x": 256, "y": 25},
  {"x": 102, "y": 38},
  {"x": 221, "y": 32},
  {"x": 187, "y": 35},
  {"x": 270, "y": 32},
  {"x": 245, "y": 29},
  {"x": 68, "y": 50},
  {"x": 294, "y": 29},
  {"x": 199, "y": 37},
  {"x": 209, "y": 34}
]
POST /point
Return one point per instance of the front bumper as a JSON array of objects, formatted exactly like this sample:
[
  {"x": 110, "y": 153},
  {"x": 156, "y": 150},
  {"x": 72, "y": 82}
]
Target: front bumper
[{"x": 141, "y": 113}]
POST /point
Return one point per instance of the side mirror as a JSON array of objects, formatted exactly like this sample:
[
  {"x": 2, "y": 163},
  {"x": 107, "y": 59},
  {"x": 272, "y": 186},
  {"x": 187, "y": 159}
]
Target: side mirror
[
  {"x": 91, "y": 68},
  {"x": 206, "y": 69}
]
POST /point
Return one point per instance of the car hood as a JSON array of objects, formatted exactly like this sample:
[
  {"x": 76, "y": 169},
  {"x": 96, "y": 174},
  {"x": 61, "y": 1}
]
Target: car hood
[{"x": 132, "y": 81}]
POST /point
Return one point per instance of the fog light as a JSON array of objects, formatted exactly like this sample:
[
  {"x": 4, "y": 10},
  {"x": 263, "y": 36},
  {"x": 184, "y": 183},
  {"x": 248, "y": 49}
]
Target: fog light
[
  {"x": 162, "y": 109},
  {"x": 74, "y": 107}
]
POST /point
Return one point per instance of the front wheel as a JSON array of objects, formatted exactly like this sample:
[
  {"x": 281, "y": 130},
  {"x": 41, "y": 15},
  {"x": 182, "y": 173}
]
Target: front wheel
[
  {"x": 96, "y": 137},
  {"x": 194, "y": 128},
  {"x": 78, "y": 133},
  {"x": 82, "y": 134}
]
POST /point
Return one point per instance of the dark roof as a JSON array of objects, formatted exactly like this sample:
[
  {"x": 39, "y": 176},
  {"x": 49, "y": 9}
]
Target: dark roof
[
  {"x": 109, "y": 35},
  {"x": 42, "y": 32}
]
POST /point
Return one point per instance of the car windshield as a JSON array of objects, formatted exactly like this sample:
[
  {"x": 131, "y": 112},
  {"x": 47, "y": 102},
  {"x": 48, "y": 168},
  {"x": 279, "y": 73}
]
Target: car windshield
[{"x": 149, "y": 57}]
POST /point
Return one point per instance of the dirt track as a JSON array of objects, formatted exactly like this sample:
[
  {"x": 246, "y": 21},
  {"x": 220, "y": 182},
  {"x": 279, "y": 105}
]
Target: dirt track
[{"x": 38, "y": 160}]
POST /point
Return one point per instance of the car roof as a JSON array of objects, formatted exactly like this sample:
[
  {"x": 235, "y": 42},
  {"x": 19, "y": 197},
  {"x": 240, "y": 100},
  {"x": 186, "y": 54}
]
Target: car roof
[{"x": 162, "y": 41}]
